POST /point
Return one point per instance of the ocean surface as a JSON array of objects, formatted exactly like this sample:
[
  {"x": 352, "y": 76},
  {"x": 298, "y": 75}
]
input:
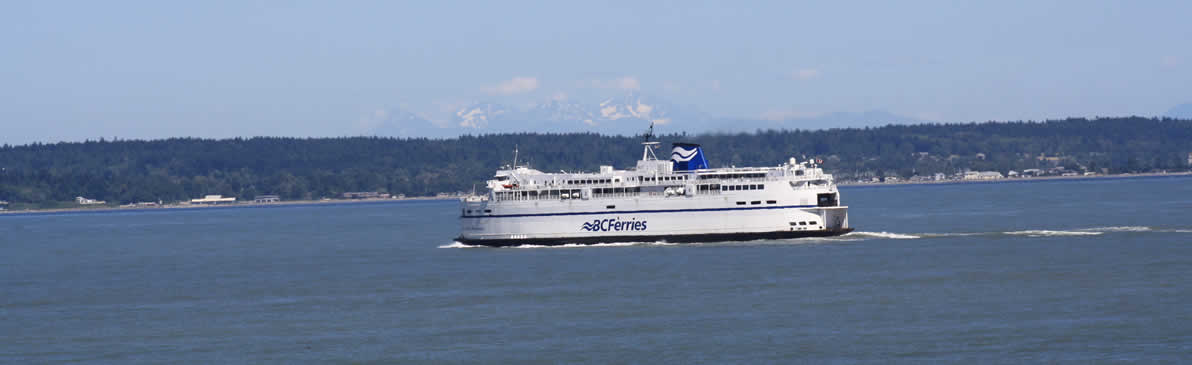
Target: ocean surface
[{"x": 1080, "y": 271}]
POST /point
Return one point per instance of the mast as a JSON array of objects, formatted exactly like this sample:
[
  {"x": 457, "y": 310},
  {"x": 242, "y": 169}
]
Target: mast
[{"x": 647, "y": 146}]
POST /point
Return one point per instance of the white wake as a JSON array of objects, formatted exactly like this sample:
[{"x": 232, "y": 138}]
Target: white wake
[
  {"x": 897, "y": 236},
  {"x": 863, "y": 235},
  {"x": 1049, "y": 233},
  {"x": 457, "y": 244},
  {"x": 1118, "y": 229}
]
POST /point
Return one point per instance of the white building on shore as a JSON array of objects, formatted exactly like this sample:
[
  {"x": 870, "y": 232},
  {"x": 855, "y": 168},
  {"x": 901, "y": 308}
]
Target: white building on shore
[
  {"x": 85, "y": 201},
  {"x": 213, "y": 200},
  {"x": 983, "y": 175},
  {"x": 266, "y": 199}
]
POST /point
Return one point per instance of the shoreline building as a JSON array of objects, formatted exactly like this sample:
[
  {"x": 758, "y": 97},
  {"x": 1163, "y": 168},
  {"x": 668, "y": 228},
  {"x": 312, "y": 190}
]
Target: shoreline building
[
  {"x": 982, "y": 175},
  {"x": 213, "y": 200},
  {"x": 365, "y": 195},
  {"x": 85, "y": 201},
  {"x": 266, "y": 199}
]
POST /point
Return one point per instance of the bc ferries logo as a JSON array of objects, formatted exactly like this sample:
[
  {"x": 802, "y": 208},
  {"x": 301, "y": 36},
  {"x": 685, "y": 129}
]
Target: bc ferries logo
[
  {"x": 614, "y": 225},
  {"x": 683, "y": 155},
  {"x": 687, "y": 157}
]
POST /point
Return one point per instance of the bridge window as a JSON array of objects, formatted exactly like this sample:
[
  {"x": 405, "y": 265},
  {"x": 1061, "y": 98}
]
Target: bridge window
[
  {"x": 755, "y": 202},
  {"x": 827, "y": 200},
  {"x": 740, "y": 203},
  {"x": 771, "y": 202}
]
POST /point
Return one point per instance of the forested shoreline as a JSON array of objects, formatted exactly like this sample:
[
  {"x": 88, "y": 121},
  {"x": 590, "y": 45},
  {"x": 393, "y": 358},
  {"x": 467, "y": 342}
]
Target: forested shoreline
[{"x": 123, "y": 171}]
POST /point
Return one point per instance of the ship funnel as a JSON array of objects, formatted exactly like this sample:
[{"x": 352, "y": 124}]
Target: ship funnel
[{"x": 687, "y": 156}]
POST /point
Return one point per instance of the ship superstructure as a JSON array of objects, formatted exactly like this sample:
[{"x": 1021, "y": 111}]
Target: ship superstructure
[{"x": 675, "y": 200}]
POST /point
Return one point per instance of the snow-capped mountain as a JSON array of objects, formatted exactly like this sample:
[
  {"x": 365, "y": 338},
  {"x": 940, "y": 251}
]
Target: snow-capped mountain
[
  {"x": 562, "y": 111},
  {"x": 626, "y": 114},
  {"x": 633, "y": 106},
  {"x": 629, "y": 113},
  {"x": 480, "y": 115}
]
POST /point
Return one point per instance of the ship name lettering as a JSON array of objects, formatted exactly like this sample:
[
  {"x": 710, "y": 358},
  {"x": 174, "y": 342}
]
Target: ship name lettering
[{"x": 614, "y": 224}]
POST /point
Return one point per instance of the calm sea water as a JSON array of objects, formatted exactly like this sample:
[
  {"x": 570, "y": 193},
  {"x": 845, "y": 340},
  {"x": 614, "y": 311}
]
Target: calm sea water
[{"x": 1073, "y": 271}]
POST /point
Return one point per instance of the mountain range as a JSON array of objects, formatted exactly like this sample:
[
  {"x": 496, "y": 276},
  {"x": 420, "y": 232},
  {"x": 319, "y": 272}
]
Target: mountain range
[{"x": 627, "y": 114}]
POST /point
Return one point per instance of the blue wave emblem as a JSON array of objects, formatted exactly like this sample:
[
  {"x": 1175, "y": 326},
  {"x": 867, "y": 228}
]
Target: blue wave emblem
[
  {"x": 687, "y": 157},
  {"x": 683, "y": 155}
]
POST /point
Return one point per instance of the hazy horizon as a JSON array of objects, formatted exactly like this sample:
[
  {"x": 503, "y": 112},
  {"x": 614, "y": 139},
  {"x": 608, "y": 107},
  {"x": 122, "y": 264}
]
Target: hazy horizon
[{"x": 148, "y": 70}]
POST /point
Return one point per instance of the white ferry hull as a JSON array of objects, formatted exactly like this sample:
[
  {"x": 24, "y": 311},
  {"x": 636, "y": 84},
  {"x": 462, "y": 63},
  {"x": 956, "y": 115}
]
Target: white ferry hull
[
  {"x": 710, "y": 223},
  {"x": 673, "y": 201}
]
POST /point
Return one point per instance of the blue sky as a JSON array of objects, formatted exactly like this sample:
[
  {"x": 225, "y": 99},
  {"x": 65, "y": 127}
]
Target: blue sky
[{"x": 153, "y": 69}]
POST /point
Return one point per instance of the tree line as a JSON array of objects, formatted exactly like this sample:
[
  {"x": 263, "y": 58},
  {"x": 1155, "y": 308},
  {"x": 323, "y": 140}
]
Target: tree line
[{"x": 176, "y": 169}]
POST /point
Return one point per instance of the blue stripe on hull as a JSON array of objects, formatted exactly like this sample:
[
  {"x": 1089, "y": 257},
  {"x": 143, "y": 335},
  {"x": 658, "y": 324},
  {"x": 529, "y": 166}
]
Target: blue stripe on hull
[{"x": 636, "y": 211}]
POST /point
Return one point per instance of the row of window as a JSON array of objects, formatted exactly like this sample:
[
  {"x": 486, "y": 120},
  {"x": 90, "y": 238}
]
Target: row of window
[
  {"x": 639, "y": 178},
  {"x": 616, "y": 191},
  {"x": 565, "y": 193},
  {"x": 758, "y": 202},
  {"x": 538, "y": 194},
  {"x": 743, "y": 187},
  {"x": 807, "y": 223},
  {"x": 752, "y": 175},
  {"x": 715, "y": 187},
  {"x": 663, "y": 178},
  {"x": 589, "y": 181},
  {"x": 601, "y": 192}
]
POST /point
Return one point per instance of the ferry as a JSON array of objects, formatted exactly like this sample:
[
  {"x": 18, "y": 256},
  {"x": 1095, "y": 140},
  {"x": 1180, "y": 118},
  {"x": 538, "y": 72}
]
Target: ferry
[{"x": 679, "y": 200}]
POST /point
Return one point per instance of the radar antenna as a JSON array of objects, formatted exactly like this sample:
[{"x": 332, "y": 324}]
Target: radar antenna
[{"x": 648, "y": 147}]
